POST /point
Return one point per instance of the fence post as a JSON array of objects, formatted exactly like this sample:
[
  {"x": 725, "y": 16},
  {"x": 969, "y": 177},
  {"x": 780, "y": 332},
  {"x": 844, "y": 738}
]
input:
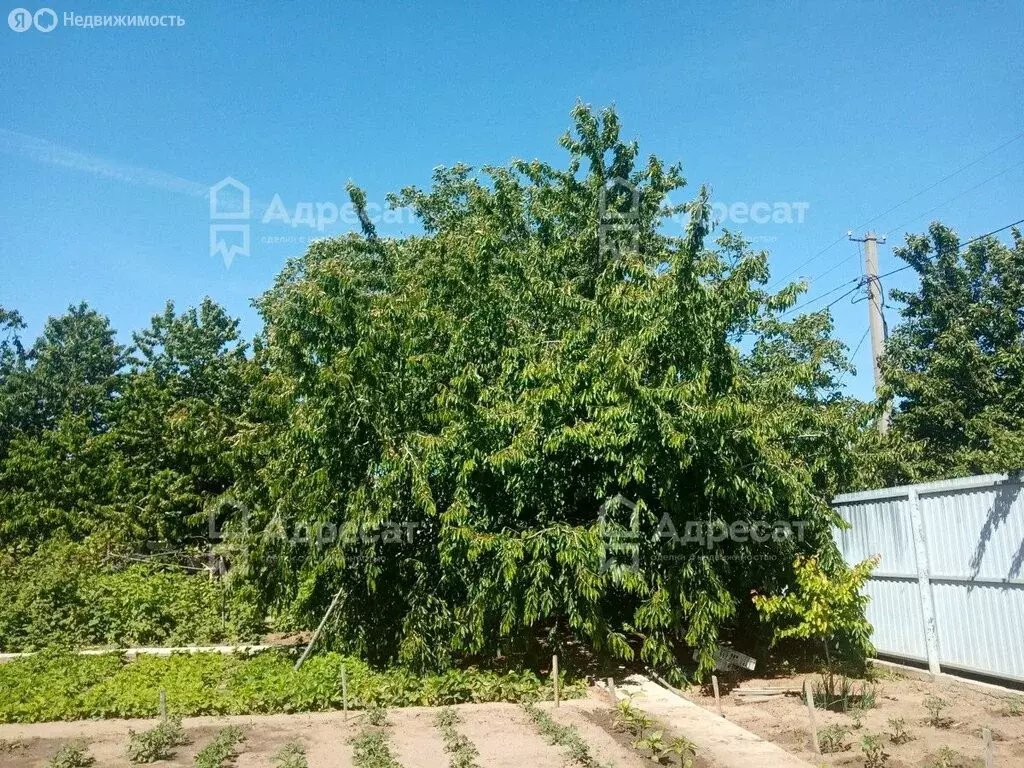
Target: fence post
[{"x": 924, "y": 584}]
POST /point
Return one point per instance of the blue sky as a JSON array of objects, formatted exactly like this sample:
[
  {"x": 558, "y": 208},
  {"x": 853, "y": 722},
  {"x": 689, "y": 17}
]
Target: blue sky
[{"x": 109, "y": 136}]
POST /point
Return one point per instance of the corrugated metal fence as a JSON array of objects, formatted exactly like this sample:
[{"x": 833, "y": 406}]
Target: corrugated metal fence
[{"x": 948, "y": 590}]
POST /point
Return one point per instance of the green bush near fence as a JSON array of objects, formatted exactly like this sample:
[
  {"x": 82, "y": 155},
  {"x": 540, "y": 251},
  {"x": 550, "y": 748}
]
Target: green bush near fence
[
  {"x": 61, "y": 686},
  {"x": 79, "y": 595}
]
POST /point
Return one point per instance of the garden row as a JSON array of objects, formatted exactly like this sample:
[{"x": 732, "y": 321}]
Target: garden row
[{"x": 61, "y": 686}]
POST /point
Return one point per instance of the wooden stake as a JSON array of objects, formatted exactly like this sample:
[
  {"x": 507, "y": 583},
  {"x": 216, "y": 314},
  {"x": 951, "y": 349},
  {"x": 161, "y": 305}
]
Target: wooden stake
[
  {"x": 986, "y": 736},
  {"x": 611, "y": 691},
  {"x": 810, "y": 712},
  {"x": 344, "y": 692},
  {"x": 163, "y": 705},
  {"x": 319, "y": 629},
  {"x": 718, "y": 698},
  {"x": 554, "y": 676}
]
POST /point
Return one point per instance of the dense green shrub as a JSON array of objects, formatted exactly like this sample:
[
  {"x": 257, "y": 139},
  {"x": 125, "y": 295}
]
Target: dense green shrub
[
  {"x": 59, "y": 686},
  {"x": 68, "y": 594}
]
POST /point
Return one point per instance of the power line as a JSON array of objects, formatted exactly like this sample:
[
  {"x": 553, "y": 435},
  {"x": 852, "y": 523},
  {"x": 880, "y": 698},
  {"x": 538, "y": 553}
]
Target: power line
[
  {"x": 860, "y": 281},
  {"x": 916, "y": 195},
  {"x": 940, "y": 181},
  {"x": 855, "y": 351},
  {"x": 960, "y": 194},
  {"x": 962, "y": 245}
]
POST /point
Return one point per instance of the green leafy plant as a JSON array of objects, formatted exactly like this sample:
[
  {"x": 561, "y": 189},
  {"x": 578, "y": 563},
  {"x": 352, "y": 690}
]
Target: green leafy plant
[
  {"x": 64, "y": 686},
  {"x": 839, "y": 693},
  {"x": 630, "y": 719},
  {"x": 74, "y": 755},
  {"x": 832, "y": 738},
  {"x": 825, "y": 606},
  {"x": 371, "y": 750},
  {"x": 1013, "y": 707},
  {"x": 653, "y": 742},
  {"x": 223, "y": 750},
  {"x": 684, "y": 750},
  {"x": 157, "y": 743},
  {"x": 565, "y": 736},
  {"x": 898, "y": 733},
  {"x": 291, "y": 755},
  {"x": 947, "y": 757},
  {"x": 376, "y": 715},
  {"x": 935, "y": 707},
  {"x": 461, "y": 751},
  {"x": 875, "y": 755}
]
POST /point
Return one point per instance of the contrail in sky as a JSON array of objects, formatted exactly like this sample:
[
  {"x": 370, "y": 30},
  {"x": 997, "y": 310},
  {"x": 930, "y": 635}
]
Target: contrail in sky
[{"x": 48, "y": 153}]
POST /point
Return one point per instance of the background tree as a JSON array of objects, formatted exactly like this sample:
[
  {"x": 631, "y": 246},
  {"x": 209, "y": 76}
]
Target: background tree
[
  {"x": 493, "y": 383},
  {"x": 955, "y": 365}
]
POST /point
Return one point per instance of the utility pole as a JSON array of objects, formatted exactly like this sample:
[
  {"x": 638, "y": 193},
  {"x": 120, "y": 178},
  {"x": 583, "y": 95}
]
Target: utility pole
[{"x": 876, "y": 320}]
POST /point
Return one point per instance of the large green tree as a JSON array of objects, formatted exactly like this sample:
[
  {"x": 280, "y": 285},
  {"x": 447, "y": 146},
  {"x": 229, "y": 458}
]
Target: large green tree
[
  {"x": 549, "y": 394},
  {"x": 955, "y": 364}
]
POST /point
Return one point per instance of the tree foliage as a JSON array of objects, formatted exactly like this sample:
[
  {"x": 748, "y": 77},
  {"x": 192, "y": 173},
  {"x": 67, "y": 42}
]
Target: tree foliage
[
  {"x": 493, "y": 383},
  {"x": 955, "y": 364},
  {"x": 544, "y": 419}
]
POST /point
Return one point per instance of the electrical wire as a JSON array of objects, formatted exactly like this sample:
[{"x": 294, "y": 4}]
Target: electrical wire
[
  {"x": 855, "y": 351},
  {"x": 860, "y": 280},
  {"x": 961, "y": 247},
  {"x": 960, "y": 194},
  {"x": 916, "y": 195}
]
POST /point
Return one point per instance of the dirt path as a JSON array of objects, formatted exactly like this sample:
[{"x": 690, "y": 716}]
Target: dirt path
[{"x": 507, "y": 739}]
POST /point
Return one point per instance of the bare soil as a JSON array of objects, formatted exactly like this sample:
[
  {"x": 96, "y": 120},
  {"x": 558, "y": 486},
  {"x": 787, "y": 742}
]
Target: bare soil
[
  {"x": 785, "y": 721},
  {"x": 503, "y": 734}
]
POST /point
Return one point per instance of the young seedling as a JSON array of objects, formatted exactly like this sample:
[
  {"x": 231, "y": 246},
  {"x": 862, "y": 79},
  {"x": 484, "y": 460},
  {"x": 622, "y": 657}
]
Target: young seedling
[
  {"x": 898, "y": 733},
  {"x": 935, "y": 705},
  {"x": 945, "y": 758},
  {"x": 376, "y": 715},
  {"x": 291, "y": 755},
  {"x": 875, "y": 755},
  {"x": 462, "y": 752},
  {"x": 653, "y": 742},
  {"x": 74, "y": 755},
  {"x": 684, "y": 749},
  {"x": 371, "y": 750},
  {"x": 157, "y": 743},
  {"x": 833, "y": 739},
  {"x": 562, "y": 735},
  {"x": 223, "y": 750},
  {"x": 1013, "y": 708}
]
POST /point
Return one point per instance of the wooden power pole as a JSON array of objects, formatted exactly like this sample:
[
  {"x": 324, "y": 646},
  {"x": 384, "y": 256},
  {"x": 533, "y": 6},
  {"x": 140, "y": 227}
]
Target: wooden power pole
[{"x": 876, "y": 320}]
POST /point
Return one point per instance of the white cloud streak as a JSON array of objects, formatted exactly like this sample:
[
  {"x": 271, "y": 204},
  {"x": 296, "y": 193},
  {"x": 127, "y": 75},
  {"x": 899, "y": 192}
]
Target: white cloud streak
[{"x": 48, "y": 153}]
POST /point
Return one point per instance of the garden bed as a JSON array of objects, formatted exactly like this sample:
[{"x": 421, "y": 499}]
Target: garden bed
[
  {"x": 503, "y": 736},
  {"x": 952, "y": 738}
]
